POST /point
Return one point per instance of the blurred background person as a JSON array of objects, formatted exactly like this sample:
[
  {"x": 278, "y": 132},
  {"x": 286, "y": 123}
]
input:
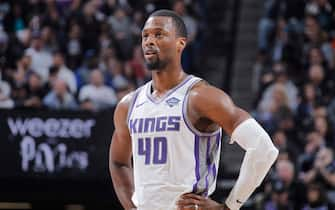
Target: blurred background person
[
  {"x": 5, "y": 100},
  {"x": 59, "y": 97},
  {"x": 316, "y": 198},
  {"x": 97, "y": 93},
  {"x": 41, "y": 59}
]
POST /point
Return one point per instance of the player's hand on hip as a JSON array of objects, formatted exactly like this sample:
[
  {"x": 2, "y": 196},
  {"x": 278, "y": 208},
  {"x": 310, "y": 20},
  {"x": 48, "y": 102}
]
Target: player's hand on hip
[{"x": 191, "y": 201}]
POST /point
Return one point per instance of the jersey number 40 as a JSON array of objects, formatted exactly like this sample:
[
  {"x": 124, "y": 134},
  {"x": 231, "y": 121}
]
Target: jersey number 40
[{"x": 154, "y": 150}]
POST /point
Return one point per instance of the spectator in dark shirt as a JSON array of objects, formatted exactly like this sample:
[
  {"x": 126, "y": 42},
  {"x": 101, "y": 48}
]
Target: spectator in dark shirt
[
  {"x": 316, "y": 57},
  {"x": 323, "y": 169},
  {"x": 322, "y": 126},
  {"x": 316, "y": 37},
  {"x": 16, "y": 19},
  {"x": 305, "y": 110},
  {"x": 73, "y": 46},
  {"x": 285, "y": 172},
  {"x": 316, "y": 198},
  {"x": 192, "y": 32},
  {"x": 121, "y": 28},
  {"x": 35, "y": 91},
  {"x": 284, "y": 190},
  {"x": 91, "y": 26},
  {"x": 279, "y": 198}
]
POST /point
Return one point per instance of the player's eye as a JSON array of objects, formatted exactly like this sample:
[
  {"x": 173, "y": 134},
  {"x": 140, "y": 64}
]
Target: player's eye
[{"x": 158, "y": 35}]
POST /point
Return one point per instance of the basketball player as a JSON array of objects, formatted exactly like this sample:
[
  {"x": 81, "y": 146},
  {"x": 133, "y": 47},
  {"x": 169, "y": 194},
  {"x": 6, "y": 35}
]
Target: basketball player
[{"x": 171, "y": 129}]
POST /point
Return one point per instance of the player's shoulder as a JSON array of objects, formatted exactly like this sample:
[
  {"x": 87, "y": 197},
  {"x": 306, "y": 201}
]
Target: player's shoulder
[
  {"x": 128, "y": 99},
  {"x": 204, "y": 89},
  {"x": 204, "y": 96},
  {"x": 121, "y": 110},
  {"x": 206, "y": 100}
]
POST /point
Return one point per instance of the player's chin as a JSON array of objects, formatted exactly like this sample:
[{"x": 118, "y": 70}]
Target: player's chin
[{"x": 151, "y": 62}]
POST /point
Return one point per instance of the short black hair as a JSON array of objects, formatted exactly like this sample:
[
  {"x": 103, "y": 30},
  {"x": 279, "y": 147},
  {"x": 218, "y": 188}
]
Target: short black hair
[{"x": 177, "y": 21}]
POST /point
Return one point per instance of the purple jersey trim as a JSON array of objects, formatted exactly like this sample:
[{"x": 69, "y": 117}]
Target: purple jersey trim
[
  {"x": 187, "y": 121},
  {"x": 196, "y": 157},
  {"x": 208, "y": 161},
  {"x": 131, "y": 107}
]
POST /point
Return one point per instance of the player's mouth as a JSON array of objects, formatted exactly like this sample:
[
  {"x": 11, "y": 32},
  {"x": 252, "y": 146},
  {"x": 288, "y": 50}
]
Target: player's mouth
[{"x": 150, "y": 53}]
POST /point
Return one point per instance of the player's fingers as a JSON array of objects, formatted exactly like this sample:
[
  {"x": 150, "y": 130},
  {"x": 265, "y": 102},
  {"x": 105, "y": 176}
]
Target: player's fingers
[
  {"x": 188, "y": 201},
  {"x": 191, "y": 207},
  {"x": 193, "y": 196}
]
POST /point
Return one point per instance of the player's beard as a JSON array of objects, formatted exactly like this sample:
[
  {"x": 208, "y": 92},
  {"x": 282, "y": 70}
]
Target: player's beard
[{"x": 155, "y": 65}]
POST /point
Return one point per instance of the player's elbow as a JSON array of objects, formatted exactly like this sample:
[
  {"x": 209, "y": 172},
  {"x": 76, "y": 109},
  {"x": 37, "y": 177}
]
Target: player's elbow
[
  {"x": 115, "y": 168},
  {"x": 114, "y": 165},
  {"x": 267, "y": 147},
  {"x": 272, "y": 155},
  {"x": 265, "y": 155},
  {"x": 274, "y": 152}
]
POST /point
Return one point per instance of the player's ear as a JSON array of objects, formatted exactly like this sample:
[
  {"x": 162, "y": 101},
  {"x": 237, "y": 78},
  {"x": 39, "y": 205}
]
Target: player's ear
[{"x": 181, "y": 44}]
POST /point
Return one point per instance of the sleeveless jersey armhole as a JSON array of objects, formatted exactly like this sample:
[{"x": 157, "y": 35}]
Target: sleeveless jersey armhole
[
  {"x": 132, "y": 103},
  {"x": 185, "y": 116}
]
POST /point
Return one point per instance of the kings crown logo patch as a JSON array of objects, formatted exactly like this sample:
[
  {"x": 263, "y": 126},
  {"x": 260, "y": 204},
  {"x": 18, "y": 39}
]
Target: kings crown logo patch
[{"x": 172, "y": 101}]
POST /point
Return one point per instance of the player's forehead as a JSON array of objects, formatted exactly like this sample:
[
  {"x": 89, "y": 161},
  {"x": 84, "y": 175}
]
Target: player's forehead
[{"x": 159, "y": 23}]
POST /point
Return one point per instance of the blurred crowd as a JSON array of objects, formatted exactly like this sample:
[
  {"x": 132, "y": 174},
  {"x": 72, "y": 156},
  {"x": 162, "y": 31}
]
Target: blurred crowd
[
  {"x": 294, "y": 85},
  {"x": 86, "y": 54},
  {"x": 79, "y": 54}
]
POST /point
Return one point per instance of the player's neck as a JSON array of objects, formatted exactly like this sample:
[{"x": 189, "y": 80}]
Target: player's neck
[{"x": 166, "y": 80}]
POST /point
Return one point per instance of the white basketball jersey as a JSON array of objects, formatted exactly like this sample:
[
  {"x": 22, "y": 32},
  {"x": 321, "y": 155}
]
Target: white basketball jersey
[{"x": 170, "y": 156}]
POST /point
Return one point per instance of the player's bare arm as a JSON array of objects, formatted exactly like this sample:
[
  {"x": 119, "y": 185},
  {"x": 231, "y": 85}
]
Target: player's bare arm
[
  {"x": 209, "y": 106},
  {"x": 120, "y": 155}
]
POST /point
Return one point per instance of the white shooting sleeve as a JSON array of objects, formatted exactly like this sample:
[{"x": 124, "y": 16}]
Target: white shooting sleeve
[{"x": 258, "y": 159}]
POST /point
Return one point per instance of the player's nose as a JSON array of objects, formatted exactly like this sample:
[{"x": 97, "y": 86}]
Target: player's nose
[{"x": 150, "y": 41}]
